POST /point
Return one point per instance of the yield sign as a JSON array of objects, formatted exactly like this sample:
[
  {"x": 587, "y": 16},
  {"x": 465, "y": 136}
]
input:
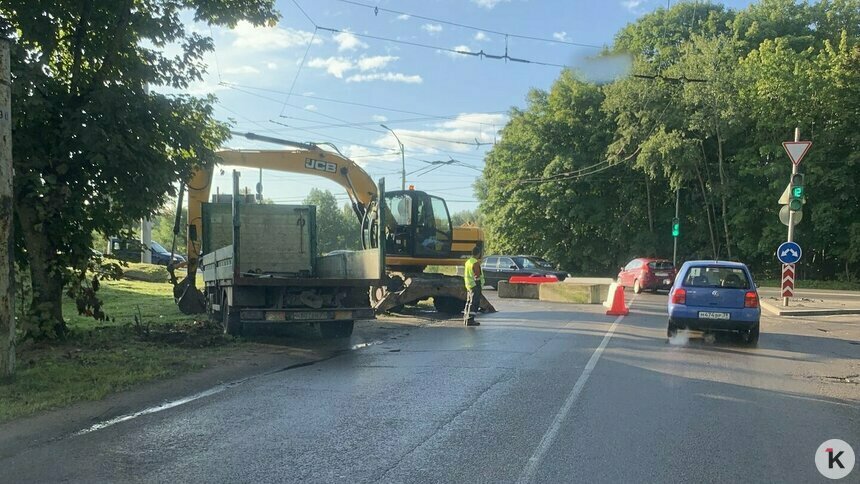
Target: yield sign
[
  {"x": 788, "y": 280},
  {"x": 796, "y": 150}
]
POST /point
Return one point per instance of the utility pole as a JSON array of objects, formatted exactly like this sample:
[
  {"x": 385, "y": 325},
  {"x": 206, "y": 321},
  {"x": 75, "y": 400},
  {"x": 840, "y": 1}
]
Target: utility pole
[
  {"x": 402, "y": 159},
  {"x": 791, "y": 212},
  {"x": 7, "y": 239},
  {"x": 146, "y": 224},
  {"x": 674, "y": 222}
]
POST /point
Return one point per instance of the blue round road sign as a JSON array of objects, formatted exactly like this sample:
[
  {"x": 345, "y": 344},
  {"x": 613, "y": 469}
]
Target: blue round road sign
[{"x": 788, "y": 252}]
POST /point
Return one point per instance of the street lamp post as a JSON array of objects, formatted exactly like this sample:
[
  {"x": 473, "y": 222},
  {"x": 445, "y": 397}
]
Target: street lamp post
[{"x": 402, "y": 159}]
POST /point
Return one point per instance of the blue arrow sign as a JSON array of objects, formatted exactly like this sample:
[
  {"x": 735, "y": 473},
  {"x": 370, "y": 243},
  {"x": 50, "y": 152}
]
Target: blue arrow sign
[{"x": 788, "y": 252}]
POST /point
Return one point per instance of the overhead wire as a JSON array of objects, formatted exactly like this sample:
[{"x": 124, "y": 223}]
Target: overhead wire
[
  {"x": 364, "y": 105},
  {"x": 377, "y": 9},
  {"x": 480, "y": 54}
]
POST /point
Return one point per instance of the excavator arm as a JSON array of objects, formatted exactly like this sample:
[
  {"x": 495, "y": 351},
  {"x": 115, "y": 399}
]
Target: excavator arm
[{"x": 357, "y": 183}]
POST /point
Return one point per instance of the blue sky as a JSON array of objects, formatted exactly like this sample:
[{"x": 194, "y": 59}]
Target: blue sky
[{"x": 253, "y": 69}]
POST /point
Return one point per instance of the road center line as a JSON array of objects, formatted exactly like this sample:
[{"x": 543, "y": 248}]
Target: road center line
[{"x": 551, "y": 433}]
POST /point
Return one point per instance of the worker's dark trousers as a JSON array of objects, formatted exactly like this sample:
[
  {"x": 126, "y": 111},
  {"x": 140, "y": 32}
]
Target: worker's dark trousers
[{"x": 473, "y": 302}]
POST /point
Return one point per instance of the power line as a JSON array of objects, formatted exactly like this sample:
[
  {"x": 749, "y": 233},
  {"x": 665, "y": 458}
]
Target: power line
[
  {"x": 352, "y": 103},
  {"x": 377, "y": 9},
  {"x": 480, "y": 54},
  {"x": 299, "y": 71}
]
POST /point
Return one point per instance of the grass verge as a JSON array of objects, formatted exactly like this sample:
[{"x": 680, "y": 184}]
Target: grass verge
[
  {"x": 103, "y": 357},
  {"x": 811, "y": 284}
]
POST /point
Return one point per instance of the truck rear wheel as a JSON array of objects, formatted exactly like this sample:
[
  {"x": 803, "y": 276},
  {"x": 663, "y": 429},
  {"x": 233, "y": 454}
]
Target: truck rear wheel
[
  {"x": 337, "y": 329},
  {"x": 448, "y": 305}
]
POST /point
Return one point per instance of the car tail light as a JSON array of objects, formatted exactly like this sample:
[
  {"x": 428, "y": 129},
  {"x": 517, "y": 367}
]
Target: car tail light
[
  {"x": 679, "y": 296},
  {"x": 751, "y": 299}
]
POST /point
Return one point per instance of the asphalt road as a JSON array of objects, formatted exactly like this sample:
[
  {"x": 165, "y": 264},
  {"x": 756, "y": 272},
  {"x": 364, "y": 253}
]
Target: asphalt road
[
  {"x": 849, "y": 297},
  {"x": 539, "y": 393}
]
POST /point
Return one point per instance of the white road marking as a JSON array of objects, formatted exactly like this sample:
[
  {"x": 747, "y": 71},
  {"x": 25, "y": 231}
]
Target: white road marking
[{"x": 550, "y": 435}]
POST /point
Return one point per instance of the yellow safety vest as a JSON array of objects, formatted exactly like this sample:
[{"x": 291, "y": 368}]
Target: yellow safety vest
[{"x": 469, "y": 274}]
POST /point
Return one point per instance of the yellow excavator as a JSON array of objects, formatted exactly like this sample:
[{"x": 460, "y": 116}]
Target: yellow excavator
[{"x": 417, "y": 227}]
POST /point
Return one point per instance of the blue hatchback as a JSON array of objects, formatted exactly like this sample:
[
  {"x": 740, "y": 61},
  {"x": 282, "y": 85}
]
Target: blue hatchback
[{"x": 715, "y": 296}]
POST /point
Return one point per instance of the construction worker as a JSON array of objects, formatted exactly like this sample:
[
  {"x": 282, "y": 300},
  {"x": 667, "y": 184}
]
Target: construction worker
[{"x": 474, "y": 278}]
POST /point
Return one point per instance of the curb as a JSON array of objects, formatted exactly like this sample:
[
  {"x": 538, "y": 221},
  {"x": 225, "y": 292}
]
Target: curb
[{"x": 777, "y": 311}]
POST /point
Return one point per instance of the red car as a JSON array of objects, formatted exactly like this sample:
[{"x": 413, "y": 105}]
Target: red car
[{"x": 648, "y": 274}]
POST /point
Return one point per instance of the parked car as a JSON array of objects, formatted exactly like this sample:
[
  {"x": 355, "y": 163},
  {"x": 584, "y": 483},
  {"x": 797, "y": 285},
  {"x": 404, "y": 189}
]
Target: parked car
[
  {"x": 715, "y": 296},
  {"x": 129, "y": 250},
  {"x": 501, "y": 267},
  {"x": 647, "y": 274}
]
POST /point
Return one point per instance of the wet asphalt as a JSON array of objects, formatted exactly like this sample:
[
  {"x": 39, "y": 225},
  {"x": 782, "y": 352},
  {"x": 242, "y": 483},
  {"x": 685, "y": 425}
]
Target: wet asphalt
[{"x": 538, "y": 393}]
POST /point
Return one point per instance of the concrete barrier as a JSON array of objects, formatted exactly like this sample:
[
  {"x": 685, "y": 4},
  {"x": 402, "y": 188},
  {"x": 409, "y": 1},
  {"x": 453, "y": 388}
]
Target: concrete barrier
[
  {"x": 519, "y": 291},
  {"x": 574, "y": 293}
]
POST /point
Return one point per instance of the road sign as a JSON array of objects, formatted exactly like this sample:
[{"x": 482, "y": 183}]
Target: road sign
[
  {"x": 796, "y": 150},
  {"x": 786, "y": 195},
  {"x": 783, "y": 215},
  {"x": 788, "y": 271},
  {"x": 788, "y": 252}
]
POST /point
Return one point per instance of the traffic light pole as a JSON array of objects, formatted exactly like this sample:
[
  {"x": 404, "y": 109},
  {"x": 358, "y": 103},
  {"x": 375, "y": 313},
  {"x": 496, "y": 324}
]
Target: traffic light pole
[
  {"x": 675, "y": 249},
  {"x": 791, "y": 212}
]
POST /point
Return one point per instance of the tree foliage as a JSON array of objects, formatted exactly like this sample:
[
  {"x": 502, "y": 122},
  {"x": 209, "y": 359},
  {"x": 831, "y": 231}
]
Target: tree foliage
[
  {"x": 337, "y": 227},
  {"x": 93, "y": 149},
  {"x": 587, "y": 174}
]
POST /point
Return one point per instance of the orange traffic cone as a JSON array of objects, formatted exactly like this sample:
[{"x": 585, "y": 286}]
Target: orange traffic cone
[{"x": 618, "y": 307}]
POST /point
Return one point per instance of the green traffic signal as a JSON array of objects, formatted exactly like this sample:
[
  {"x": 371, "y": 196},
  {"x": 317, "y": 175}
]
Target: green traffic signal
[
  {"x": 676, "y": 227},
  {"x": 796, "y": 202}
]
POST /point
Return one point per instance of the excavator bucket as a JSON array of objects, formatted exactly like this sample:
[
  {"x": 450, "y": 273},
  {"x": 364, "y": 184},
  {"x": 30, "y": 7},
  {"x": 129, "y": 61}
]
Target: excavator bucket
[
  {"x": 189, "y": 299},
  {"x": 448, "y": 293}
]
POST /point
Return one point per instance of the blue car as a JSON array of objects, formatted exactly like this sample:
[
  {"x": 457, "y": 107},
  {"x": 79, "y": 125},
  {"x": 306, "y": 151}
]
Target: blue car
[{"x": 715, "y": 296}]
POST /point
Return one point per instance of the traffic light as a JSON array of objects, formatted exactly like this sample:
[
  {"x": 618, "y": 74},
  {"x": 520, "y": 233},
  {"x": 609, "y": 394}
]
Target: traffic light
[
  {"x": 676, "y": 227},
  {"x": 795, "y": 204}
]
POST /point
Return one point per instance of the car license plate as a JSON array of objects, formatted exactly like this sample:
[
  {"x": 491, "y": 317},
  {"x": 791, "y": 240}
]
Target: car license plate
[
  {"x": 710, "y": 315},
  {"x": 302, "y": 315},
  {"x": 661, "y": 274}
]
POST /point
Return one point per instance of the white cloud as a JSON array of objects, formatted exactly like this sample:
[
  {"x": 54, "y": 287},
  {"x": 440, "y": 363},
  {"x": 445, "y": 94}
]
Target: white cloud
[
  {"x": 632, "y": 5},
  {"x": 375, "y": 62},
  {"x": 271, "y": 65},
  {"x": 482, "y": 37},
  {"x": 249, "y": 37},
  {"x": 461, "y": 48},
  {"x": 379, "y": 118},
  {"x": 432, "y": 28},
  {"x": 311, "y": 107},
  {"x": 335, "y": 66},
  {"x": 387, "y": 77},
  {"x": 488, "y": 4},
  {"x": 241, "y": 70},
  {"x": 403, "y": 16},
  {"x": 466, "y": 127},
  {"x": 560, "y": 35},
  {"x": 348, "y": 41}
]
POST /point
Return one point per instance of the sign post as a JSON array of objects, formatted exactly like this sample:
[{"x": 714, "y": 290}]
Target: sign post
[{"x": 796, "y": 150}]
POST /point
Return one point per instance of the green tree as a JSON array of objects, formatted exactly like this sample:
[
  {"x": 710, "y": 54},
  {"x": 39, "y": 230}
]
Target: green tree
[
  {"x": 337, "y": 228},
  {"x": 466, "y": 217},
  {"x": 95, "y": 151}
]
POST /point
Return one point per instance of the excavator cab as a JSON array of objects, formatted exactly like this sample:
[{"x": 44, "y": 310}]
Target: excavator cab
[{"x": 417, "y": 225}]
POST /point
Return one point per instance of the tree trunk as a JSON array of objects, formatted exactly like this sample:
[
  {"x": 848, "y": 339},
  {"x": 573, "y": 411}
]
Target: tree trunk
[
  {"x": 707, "y": 211},
  {"x": 46, "y": 279},
  {"x": 7, "y": 239},
  {"x": 722, "y": 188}
]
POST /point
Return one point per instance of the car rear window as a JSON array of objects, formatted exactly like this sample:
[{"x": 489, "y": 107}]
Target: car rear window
[
  {"x": 660, "y": 265},
  {"x": 716, "y": 276}
]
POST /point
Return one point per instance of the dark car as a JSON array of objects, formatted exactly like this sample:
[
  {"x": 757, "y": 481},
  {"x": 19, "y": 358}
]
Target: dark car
[
  {"x": 647, "y": 274},
  {"x": 129, "y": 250},
  {"x": 715, "y": 296},
  {"x": 501, "y": 267}
]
